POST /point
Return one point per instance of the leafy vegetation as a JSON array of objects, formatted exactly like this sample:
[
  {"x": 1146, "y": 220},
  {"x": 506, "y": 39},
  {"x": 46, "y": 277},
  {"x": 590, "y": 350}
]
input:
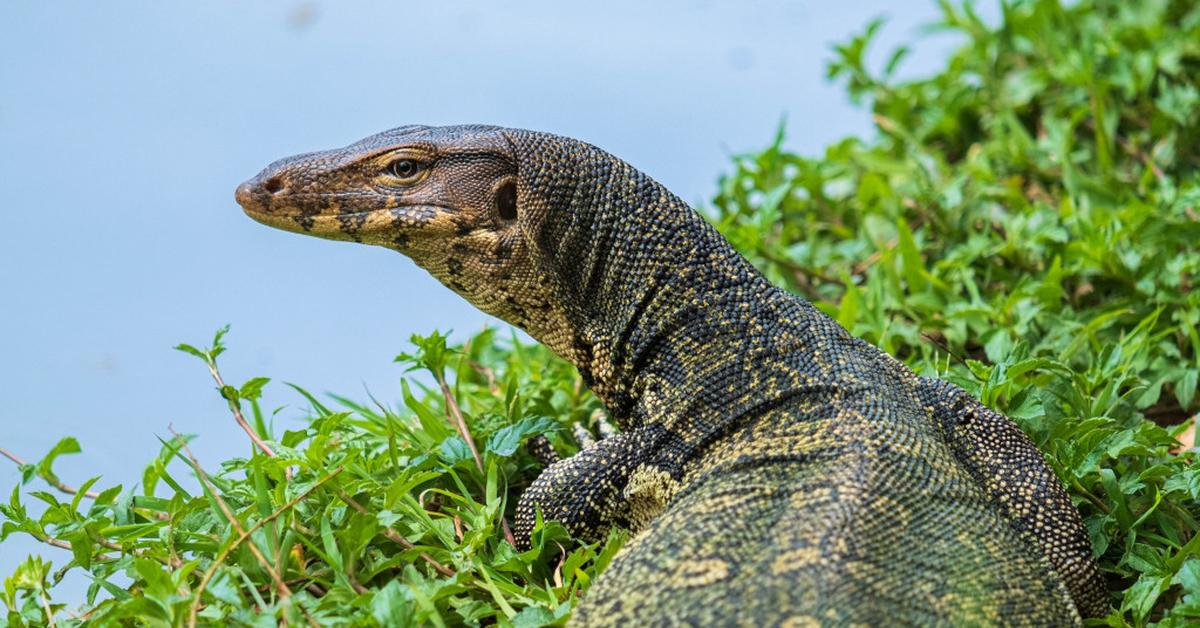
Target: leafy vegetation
[
  {"x": 1024, "y": 223},
  {"x": 366, "y": 515}
]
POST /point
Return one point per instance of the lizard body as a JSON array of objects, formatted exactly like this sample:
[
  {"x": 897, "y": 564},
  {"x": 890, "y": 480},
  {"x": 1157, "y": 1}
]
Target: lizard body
[{"x": 774, "y": 468}]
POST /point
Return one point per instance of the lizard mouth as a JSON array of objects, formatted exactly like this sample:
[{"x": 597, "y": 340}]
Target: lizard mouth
[
  {"x": 386, "y": 223},
  {"x": 335, "y": 217}
]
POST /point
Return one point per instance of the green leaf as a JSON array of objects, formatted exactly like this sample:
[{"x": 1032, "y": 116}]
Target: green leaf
[
  {"x": 64, "y": 446},
  {"x": 1140, "y": 598},
  {"x": 317, "y": 405},
  {"x": 222, "y": 588},
  {"x": 392, "y": 605},
  {"x": 432, "y": 353},
  {"x": 847, "y": 312},
  {"x": 1185, "y": 390},
  {"x": 333, "y": 553},
  {"x": 914, "y": 266},
  {"x": 1189, "y": 576},
  {"x": 186, "y": 348},
  {"x": 533, "y": 617},
  {"x": 230, "y": 394},
  {"x": 252, "y": 389},
  {"x": 505, "y": 441},
  {"x": 454, "y": 451}
]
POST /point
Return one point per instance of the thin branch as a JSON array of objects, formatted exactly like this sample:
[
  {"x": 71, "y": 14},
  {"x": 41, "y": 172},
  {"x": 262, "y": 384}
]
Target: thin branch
[
  {"x": 874, "y": 257},
  {"x": 311, "y": 587},
  {"x": 488, "y": 373},
  {"x": 57, "y": 543},
  {"x": 946, "y": 348},
  {"x": 1099, "y": 503},
  {"x": 70, "y": 490},
  {"x": 11, "y": 456},
  {"x": 101, "y": 541},
  {"x": 46, "y": 607},
  {"x": 240, "y": 418},
  {"x": 394, "y": 536},
  {"x": 358, "y": 587},
  {"x": 459, "y": 422},
  {"x": 1131, "y": 149},
  {"x": 66, "y": 545},
  {"x": 800, "y": 273},
  {"x": 456, "y": 417},
  {"x": 481, "y": 369}
]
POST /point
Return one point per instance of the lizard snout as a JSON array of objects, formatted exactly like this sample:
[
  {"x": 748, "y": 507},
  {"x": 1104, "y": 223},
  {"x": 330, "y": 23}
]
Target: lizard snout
[
  {"x": 245, "y": 195},
  {"x": 255, "y": 194}
]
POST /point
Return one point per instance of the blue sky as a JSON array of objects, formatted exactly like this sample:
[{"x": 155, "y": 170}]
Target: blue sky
[{"x": 125, "y": 126}]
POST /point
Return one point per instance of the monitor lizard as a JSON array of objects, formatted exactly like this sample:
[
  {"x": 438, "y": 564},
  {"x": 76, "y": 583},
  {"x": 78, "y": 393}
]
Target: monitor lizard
[{"x": 773, "y": 468}]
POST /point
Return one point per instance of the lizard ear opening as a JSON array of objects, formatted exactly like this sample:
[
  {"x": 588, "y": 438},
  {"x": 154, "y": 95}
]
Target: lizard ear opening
[{"x": 506, "y": 200}]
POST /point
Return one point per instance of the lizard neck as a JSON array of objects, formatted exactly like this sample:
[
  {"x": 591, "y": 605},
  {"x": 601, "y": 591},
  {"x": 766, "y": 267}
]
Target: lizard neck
[{"x": 657, "y": 303}]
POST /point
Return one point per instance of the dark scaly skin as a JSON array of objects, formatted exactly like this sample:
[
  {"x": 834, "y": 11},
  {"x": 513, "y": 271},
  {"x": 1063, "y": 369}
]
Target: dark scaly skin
[{"x": 775, "y": 469}]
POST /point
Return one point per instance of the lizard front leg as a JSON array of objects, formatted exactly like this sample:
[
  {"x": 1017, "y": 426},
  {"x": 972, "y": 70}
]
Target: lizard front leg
[{"x": 586, "y": 492}]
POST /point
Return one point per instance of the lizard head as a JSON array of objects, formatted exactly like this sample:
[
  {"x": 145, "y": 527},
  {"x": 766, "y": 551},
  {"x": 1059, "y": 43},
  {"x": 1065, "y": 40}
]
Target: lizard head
[
  {"x": 447, "y": 197},
  {"x": 404, "y": 189}
]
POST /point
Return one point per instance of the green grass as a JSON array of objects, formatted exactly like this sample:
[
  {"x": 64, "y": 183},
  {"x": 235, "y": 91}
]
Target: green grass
[{"x": 1023, "y": 223}]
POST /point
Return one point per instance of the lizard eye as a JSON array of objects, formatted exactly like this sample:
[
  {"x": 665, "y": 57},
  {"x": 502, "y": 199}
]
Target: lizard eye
[{"x": 405, "y": 169}]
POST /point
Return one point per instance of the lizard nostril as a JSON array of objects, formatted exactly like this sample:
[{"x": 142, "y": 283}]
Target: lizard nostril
[{"x": 273, "y": 185}]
